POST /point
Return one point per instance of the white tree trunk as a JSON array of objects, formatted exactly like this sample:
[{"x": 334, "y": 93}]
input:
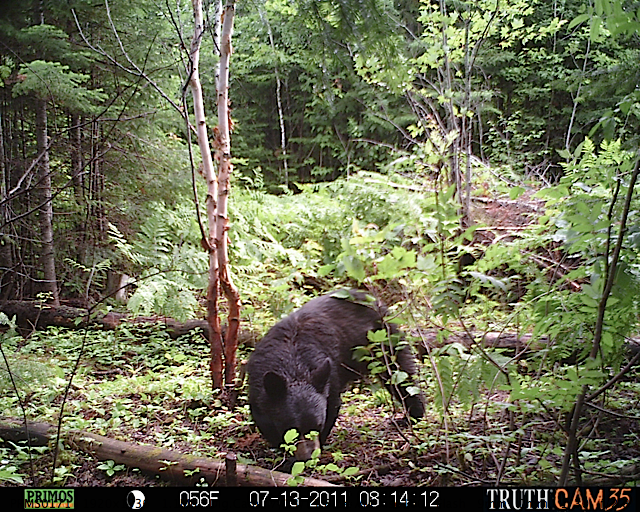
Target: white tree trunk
[
  {"x": 283, "y": 133},
  {"x": 223, "y": 356},
  {"x": 212, "y": 195},
  {"x": 223, "y": 146}
]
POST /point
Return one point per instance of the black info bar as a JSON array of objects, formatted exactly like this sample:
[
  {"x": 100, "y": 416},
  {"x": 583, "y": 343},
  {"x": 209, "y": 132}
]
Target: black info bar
[{"x": 609, "y": 499}]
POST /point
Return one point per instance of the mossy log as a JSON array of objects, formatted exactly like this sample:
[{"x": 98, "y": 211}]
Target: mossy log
[
  {"x": 31, "y": 315},
  {"x": 178, "y": 468}
]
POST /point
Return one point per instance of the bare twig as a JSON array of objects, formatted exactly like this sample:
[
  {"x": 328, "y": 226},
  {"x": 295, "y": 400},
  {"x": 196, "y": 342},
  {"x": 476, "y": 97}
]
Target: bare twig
[{"x": 134, "y": 69}]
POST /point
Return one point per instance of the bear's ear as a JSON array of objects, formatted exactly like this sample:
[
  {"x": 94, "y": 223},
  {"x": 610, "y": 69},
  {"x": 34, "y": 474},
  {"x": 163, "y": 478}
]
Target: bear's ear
[
  {"x": 320, "y": 376},
  {"x": 275, "y": 385}
]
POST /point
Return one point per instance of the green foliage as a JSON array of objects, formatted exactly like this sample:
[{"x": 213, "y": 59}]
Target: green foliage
[
  {"x": 47, "y": 41},
  {"x": 330, "y": 112},
  {"x": 281, "y": 239},
  {"x": 49, "y": 69},
  {"x": 364, "y": 100},
  {"x": 465, "y": 376},
  {"x": 54, "y": 81},
  {"x": 29, "y": 374},
  {"x": 110, "y": 467},
  {"x": 8, "y": 471},
  {"x": 312, "y": 465},
  {"x": 536, "y": 78},
  {"x": 557, "y": 391},
  {"x": 96, "y": 275},
  {"x": 12, "y": 456},
  {"x": 609, "y": 17},
  {"x": 583, "y": 213},
  {"x": 172, "y": 266},
  {"x": 381, "y": 356}
]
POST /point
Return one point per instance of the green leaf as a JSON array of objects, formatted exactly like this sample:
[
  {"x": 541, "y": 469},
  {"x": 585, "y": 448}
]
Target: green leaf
[
  {"x": 350, "y": 471},
  {"x": 578, "y": 20},
  {"x": 9, "y": 474},
  {"x": 599, "y": 7},
  {"x": 497, "y": 283},
  {"x": 379, "y": 336},
  {"x": 551, "y": 193},
  {"x": 298, "y": 468},
  {"x": 354, "y": 268},
  {"x": 342, "y": 294},
  {"x": 399, "y": 377},
  {"x": 413, "y": 390},
  {"x": 290, "y": 436},
  {"x": 516, "y": 192},
  {"x": 325, "y": 270},
  {"x": 596, "y": 28}
]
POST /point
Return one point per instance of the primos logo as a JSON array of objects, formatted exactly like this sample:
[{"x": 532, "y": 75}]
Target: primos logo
[{"x": 48, "y": 498}]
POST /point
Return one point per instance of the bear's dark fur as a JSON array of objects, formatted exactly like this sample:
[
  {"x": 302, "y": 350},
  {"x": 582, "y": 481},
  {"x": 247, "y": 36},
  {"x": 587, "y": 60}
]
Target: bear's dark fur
[{"x": 304, "y": 362}]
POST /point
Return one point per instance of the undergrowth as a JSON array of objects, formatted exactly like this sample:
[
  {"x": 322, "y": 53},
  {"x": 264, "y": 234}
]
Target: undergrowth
[{"x": 497, "y": 416}]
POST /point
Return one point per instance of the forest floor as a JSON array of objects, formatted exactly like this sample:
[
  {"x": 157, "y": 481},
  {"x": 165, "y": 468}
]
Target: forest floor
[
  {"x": 386, "y": 451},
  {"x": 483, "y": 444}
]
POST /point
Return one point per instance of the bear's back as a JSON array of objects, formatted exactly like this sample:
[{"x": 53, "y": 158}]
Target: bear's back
[{"x": 325, "y": 327}]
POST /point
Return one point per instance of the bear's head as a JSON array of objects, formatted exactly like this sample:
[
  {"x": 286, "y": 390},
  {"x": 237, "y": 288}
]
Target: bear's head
[{"x": 289, "y": 403}]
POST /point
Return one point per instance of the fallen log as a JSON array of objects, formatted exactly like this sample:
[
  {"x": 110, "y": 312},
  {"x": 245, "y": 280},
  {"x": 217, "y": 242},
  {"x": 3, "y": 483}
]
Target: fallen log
[
  {"x": 506, "y": 340},
  {"x": 31, "y": 315},
  {"x": 520, "y": 345},
  {"x": 177, "y": 468}
]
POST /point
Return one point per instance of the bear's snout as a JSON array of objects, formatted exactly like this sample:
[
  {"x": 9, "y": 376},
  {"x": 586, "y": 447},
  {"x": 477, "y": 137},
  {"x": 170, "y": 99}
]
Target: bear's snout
[{"x": 305, "y": 448}]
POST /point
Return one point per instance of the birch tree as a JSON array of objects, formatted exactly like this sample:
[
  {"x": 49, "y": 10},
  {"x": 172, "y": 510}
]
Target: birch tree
[
  {"x": 214, "y": 236},
  {"x": 223, "y": 352}
]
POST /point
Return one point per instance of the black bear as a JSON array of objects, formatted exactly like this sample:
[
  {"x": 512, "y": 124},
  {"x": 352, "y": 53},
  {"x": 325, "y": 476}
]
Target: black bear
[{"x": 304, "y": 362}]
